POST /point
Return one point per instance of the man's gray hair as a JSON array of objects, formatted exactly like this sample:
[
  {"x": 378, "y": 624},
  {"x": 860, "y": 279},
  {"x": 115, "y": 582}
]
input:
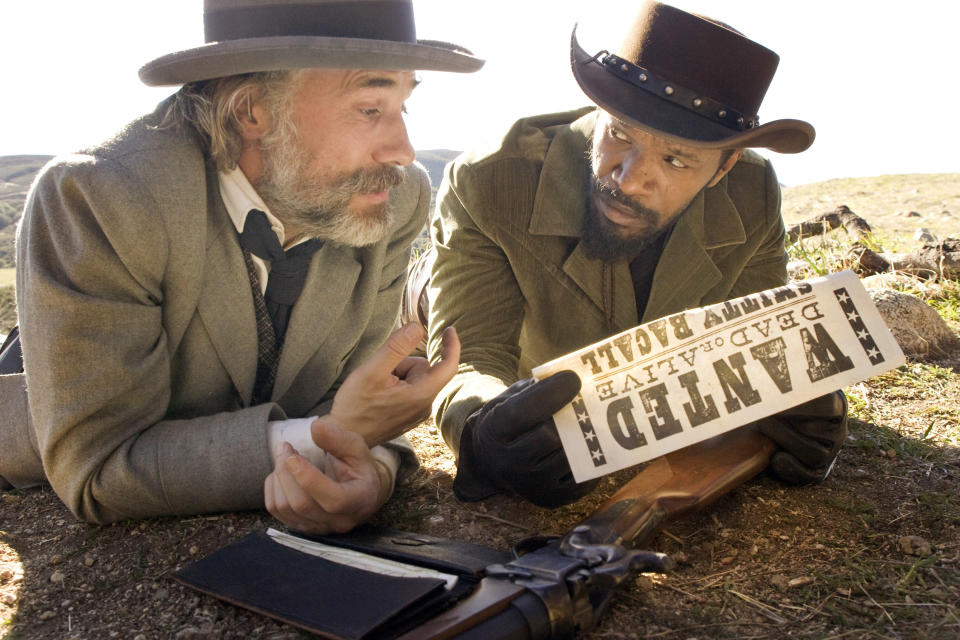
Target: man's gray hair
[{"x": 210, "y": 108}]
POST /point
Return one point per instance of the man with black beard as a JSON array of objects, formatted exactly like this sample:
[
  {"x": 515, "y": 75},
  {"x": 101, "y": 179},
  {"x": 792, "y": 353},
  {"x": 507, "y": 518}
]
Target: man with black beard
[
  {"x": 206, "y": 300},
  {"x": 581, "y": 225}
]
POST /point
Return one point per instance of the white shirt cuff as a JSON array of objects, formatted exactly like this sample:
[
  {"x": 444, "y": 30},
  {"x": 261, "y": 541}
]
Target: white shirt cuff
[{"x": 296, "y": 431}]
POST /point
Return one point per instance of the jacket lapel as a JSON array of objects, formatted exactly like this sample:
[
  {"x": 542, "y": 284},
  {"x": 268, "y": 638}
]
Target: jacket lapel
[
  {"x": 226, "y": 302},
  {"x": 686, "y": 271},
  {"x": 329, "y": 289}
]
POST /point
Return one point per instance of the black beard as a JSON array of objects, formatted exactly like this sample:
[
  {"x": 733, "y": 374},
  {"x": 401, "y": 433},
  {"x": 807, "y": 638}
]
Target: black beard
[{"x": 606, "y": 241}]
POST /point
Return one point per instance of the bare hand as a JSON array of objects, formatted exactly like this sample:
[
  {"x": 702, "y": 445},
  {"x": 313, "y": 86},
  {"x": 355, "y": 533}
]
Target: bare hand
[
  {"x": 392, "y": 391},
  {"x": 312, "y": 501}
]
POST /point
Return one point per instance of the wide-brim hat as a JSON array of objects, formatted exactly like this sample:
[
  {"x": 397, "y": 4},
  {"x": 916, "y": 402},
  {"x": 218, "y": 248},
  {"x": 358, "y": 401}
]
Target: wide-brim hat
[
  {"x": 245, "y": 36},
  {"x": 687, "y": 78}
]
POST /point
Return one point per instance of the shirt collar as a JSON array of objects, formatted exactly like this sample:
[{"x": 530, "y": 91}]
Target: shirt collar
[{"x": 239, "y": 197}]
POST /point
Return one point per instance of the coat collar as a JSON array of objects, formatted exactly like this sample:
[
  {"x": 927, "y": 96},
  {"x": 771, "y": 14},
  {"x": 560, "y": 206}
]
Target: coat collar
[
  {"x": 559, "y": 204},
  {"x": 685, "y": 272}
]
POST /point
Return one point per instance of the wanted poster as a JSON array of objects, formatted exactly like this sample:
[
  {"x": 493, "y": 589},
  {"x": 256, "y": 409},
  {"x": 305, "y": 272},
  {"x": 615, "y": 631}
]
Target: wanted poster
[{"x": 684, "y": 378}]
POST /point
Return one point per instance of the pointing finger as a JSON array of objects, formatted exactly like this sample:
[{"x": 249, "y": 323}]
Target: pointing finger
[{"x": 398, "y": 346}]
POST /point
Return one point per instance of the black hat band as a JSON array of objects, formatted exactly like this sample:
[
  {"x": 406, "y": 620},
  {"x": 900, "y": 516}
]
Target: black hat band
[
  {"x": 376, "y": 20},
  {"x": 674, "y": 93}
]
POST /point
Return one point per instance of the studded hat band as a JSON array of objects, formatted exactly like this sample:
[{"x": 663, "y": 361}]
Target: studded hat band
[{"x": 672, "y": 92}]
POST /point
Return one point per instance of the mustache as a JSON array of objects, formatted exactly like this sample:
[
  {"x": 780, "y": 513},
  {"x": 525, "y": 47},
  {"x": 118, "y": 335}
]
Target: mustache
[
  {"x": 373, "y": 180},
  {"x": 611, "y": 194}
]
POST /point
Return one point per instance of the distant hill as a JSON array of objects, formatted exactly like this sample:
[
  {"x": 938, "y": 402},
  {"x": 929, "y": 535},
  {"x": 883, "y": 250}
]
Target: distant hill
[
  {"x": 434, "y": 160},
  {"x": 16, "y": 175}
]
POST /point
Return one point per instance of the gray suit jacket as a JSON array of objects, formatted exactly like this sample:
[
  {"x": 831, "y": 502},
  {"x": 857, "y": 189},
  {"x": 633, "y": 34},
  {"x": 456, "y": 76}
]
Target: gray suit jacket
[
  {"x": 139, "y": 337},
  {"x": 511, "y": 275}
]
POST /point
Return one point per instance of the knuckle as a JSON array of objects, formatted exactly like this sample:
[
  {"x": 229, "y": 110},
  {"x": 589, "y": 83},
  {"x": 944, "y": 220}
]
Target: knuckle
[{"x": 302, "y": 505}]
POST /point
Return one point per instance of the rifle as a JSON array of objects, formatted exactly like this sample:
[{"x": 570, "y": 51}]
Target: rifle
[
  {"x": 552, "y": 588},
  {"x": 561, "y": 588}
]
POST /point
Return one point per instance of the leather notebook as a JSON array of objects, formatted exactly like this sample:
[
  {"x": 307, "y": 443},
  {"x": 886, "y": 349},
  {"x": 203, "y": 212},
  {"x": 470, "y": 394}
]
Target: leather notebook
[{"x": 279, "y": 576}]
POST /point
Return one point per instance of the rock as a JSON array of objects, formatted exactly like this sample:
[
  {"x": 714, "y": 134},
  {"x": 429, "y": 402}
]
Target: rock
[
  {"x": 924, "y": 236},
  {"x": 47, "y": 615},
  {"x": 915, "y": 546},
  {"x": 916, "y": 326},
  {"x": 911, "y": 214},
  {"x": 58, "y": 577},
  {"x": 800, "y": 582}
]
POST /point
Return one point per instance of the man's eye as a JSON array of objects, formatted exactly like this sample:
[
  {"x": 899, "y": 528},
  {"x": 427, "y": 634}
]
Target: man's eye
[
  {"x": 370, "y": 113},
  {"x": 676, "y": 162},
  {"x": 617, "y": 134}
]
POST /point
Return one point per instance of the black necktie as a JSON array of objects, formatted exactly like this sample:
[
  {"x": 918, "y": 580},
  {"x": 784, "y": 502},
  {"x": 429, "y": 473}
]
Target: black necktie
[{"x": 288, "y": 269}]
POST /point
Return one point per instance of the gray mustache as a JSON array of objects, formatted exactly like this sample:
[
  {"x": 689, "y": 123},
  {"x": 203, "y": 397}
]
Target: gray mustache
[{"x": 374, "y": 180}]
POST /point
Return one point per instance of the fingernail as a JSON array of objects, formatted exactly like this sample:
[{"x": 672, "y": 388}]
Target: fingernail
[{"x": 411, "y": 330}]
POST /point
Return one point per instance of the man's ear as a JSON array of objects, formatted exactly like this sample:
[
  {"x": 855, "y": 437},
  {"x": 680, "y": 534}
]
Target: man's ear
[
  {"x": 725, "y": 168},
  {"x": 252, "y": 119}
]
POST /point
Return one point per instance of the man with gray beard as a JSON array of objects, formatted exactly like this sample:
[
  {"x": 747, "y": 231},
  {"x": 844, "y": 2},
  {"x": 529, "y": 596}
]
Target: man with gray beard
[
  {"x": 206, "y": 300},
  {"x": 584, "y": 224}
]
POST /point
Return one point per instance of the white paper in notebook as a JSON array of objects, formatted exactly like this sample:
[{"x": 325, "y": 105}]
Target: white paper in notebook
[{"x": 687, "y": 377}]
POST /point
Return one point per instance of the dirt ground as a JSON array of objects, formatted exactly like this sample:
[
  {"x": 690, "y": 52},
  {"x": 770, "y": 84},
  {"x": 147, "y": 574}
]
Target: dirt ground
[{"x": 874, "y": 552}]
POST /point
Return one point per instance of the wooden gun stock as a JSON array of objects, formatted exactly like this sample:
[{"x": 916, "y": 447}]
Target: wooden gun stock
[{"x": 677, "y": 484}]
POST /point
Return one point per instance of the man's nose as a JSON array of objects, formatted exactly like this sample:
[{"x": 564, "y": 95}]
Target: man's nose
[
  {"x": 636, "y": 174},
  {"x": 395, "y": 148}
]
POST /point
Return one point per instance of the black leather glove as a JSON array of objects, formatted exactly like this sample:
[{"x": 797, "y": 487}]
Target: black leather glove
[
  {"x": 511, "y": 444},
  {"x": 809, "y": 436}
]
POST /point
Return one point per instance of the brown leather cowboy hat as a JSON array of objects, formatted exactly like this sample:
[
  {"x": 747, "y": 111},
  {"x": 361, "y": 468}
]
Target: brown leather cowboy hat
[
  {"x": 244, "y": 36},
  {"x": 685, "y": 77}
]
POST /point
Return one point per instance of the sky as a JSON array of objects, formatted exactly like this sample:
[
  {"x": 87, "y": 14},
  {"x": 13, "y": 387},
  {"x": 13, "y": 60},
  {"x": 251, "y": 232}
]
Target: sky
[{"x": 877, "y": 79}]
